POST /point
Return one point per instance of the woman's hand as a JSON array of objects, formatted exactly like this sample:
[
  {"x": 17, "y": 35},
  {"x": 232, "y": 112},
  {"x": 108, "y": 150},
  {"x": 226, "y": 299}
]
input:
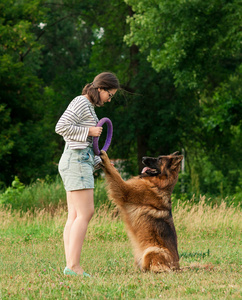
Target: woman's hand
[{"x": 95, "y": 131}]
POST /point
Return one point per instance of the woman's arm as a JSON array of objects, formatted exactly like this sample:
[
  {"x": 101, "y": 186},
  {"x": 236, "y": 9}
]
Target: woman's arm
[
  {"x": 69, "y": 124},
  {"x": 68, "y": 127}
]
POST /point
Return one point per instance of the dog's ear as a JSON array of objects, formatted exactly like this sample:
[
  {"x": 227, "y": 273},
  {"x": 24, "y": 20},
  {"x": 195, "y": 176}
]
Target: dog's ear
[
  {"x": 176, "y": 161},
  {"x": 175, "y": 153}
]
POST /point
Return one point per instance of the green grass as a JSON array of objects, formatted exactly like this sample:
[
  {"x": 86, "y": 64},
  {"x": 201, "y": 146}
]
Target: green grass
[
  {"x": 32, "y": 257},
  {"x": 48, "y": 194}
]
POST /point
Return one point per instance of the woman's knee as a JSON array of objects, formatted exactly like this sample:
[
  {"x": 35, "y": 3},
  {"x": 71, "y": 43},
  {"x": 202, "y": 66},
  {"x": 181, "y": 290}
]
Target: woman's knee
[
  {"x": 71, "y": 219},
  {"x": 88, "y": 214},
  {"x": 91, "y": 213}
]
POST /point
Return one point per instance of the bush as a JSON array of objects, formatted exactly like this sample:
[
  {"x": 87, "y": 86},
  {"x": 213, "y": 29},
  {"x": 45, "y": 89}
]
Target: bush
[
  {"x": 49, "y": 194},
  {"x": 41, "y": 194},
  {"x": 45, "y": 194}
]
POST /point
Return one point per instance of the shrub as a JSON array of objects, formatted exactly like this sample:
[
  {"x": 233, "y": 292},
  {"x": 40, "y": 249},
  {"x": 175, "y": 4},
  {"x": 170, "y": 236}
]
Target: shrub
[{"x": 45, "y": 194}]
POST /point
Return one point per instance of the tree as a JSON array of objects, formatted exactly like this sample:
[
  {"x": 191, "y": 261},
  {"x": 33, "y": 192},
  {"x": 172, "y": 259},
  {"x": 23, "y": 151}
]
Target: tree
[
  {"x": 19, "y": 92},
  {"x": 148, "y": 118},
  {"x": 199, "y": 43},
  {"x": 178, "y": 66}
]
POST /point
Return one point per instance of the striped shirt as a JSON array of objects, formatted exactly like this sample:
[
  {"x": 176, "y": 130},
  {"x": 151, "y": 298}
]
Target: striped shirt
[{"x": 74, "y": 124}]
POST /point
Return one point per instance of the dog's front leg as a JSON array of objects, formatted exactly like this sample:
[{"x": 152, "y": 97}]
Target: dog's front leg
[
  {"x": 106, "y": 164},
  {"x": 116, "y": 185}
]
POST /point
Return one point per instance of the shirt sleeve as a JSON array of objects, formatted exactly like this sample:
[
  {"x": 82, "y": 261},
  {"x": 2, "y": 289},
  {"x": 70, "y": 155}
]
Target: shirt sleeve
[
  {"x": 68, "y": 127},
  {"x": 97, "y": 161}
]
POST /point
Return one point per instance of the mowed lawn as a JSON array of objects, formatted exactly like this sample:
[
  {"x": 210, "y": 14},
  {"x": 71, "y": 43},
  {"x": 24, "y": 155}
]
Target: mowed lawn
[{"x": 32, "y": 257}]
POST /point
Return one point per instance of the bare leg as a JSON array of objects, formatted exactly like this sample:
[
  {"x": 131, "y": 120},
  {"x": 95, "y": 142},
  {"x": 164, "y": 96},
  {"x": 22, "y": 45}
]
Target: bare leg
[
  {"x": 80, "y": 211},
  {"x": 71, "y": 218}
]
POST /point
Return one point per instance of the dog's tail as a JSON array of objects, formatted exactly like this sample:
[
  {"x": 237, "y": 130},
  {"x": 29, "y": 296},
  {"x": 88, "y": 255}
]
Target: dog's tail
[{"x": 157, "y": 259}]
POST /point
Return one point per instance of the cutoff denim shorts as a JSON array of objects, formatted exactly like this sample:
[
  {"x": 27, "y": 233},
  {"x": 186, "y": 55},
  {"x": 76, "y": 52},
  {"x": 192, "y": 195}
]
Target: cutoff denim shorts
[{"x": 76, "y": 168}]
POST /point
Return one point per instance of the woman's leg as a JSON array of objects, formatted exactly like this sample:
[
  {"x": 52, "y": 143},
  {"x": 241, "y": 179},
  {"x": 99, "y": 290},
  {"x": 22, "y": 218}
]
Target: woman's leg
[
  {"x": 82, "y": 205},
  {"x": 70, "y": 219}
]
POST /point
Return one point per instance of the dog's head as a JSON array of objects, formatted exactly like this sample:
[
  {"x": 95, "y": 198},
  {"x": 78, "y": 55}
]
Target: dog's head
[{"x": 163, "y": 167}]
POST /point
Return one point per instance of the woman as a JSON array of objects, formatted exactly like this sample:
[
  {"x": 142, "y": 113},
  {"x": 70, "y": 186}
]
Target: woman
[{"x": 77, "y": 163}]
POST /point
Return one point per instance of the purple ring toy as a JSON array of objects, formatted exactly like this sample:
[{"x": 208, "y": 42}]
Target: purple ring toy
[{"x": 108, "y": 138}]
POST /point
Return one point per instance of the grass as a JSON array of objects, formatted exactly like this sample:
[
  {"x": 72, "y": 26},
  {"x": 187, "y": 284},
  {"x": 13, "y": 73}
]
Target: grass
[
  {"x": 45, "y": 194},
  {"x": 49, "y": 193},
  {"x": 32, "y": 257}
]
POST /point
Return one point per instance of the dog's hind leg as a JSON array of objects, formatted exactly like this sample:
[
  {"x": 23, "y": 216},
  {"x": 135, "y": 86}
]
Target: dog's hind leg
[{"x": 158, "y": 260}]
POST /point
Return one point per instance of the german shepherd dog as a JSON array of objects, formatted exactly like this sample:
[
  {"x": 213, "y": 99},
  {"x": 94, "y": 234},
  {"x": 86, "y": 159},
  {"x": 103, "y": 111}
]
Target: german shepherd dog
[{"x": 145, "y": 205}]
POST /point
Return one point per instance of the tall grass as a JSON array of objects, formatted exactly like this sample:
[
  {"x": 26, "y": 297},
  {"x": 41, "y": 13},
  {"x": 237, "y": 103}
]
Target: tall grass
[
  {"x": 49, "y": 194},
  {"x": 32, "y": 257},
  {"x": 45, "y": 194}
]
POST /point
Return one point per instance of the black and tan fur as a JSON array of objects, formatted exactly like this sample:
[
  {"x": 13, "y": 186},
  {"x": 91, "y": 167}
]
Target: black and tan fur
[{"x": 145, "y": 205}]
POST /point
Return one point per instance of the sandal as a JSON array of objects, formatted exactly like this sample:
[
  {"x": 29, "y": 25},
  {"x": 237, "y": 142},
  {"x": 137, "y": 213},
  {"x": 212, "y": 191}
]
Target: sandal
[{"x": 68, "y": 271}]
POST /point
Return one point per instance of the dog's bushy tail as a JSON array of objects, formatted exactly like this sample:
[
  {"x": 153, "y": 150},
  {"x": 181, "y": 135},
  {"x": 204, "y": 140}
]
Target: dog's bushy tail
[{"x": 158, "y": 260}]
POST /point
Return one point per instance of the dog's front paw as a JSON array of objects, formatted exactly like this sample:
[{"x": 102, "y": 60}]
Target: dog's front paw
[{"x": 104, "y": 158}]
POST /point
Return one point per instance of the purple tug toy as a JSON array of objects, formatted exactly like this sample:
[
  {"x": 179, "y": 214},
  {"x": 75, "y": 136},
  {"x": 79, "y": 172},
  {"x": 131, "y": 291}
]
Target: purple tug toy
[{"x": 108, "y": 138}]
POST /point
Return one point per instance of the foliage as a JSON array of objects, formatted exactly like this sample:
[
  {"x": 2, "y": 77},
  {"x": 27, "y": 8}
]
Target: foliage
[
  {"x": 11, "y": 195},
  {"x": 47, "y": 194},
  {"x": 42, "y": 194},
  {"x": 222, "y": 131},
  {"x": 198, "y": 42},
  {"x": 179, "y": 66},
  {"x": 23, "y": 130}
]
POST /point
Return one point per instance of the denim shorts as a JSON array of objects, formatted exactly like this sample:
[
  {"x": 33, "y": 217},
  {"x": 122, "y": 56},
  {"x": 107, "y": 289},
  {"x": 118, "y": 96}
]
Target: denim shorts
[{"x": 76, "y": 168}]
